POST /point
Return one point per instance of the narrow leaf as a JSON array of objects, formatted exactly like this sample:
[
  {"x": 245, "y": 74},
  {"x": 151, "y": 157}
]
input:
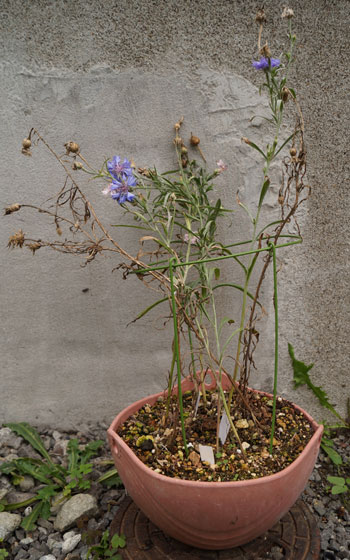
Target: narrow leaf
[
  {"x": 263, "y": 191},
  {"x": 28, "y": 522},
  {"x": 31, "y": 435}
]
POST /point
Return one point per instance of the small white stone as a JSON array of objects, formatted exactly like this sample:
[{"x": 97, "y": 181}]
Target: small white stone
[{"x": 70, "y": 543}]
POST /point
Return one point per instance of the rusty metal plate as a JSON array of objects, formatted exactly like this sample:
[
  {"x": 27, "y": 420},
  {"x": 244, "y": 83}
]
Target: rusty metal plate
[{"x": 296, "y": 536}]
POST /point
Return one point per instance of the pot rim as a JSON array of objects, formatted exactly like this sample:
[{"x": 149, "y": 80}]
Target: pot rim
[{"x": 115, "y": 438}]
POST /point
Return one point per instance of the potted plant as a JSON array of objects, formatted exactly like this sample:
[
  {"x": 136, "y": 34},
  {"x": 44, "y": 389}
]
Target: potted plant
[{"x": 209, "y": 460}]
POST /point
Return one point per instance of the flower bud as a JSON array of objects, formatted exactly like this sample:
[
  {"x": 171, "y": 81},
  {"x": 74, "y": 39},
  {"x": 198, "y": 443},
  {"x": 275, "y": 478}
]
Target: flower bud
[
  {"x": 285, "y": 94},
  {"x": 184, "y": 150},
  {"x": 26, "y": 143},
  {"x": 77, "y": 165},
  {"x": 72, "y": 147},
  {"x": 194, "y": 140}
]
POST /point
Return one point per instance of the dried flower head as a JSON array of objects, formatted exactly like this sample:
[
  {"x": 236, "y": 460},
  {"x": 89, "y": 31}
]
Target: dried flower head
[
  {"x": 16, "y": 240},
  {"x": 77, "y": 165},
  {"x": 260, "y": 16},
  {"x": 12, "y": 208},
  {"x": 293, "y": 152},
  {"x": 72, "y": 147},
  {"x": 287, "y": 13},
  {"x": 265, "y": 51}
]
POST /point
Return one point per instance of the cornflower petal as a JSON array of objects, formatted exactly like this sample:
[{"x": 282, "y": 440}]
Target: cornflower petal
[{"x": 266, "y": 63}]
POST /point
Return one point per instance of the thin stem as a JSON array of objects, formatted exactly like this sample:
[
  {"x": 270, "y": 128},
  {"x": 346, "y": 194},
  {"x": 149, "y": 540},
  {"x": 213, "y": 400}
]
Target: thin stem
[{"x": 275, "y": 300}]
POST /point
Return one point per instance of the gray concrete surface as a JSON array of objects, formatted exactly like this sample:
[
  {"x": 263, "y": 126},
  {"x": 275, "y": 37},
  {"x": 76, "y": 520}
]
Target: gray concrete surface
[{"x": 115, "y": 77}]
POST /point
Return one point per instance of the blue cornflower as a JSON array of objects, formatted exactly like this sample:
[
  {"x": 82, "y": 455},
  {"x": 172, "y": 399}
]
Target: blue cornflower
[
  {"x": 266, "y": 63},
  {"x": 118, "y": 169},
  {"x": 119, "y": 189}
]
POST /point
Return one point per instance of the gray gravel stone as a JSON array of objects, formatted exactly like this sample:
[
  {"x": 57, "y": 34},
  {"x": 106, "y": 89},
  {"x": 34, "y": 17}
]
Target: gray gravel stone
[
  {"x": 9, "y": 439},
  {"x": 73, "y": 509},
  {"x": 27, "y": 483},
  {"x": 8, "y": 523},
  {"x": 48, "y": 557}
]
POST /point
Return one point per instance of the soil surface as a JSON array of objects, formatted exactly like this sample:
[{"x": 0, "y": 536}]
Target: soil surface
[{"x": 155, "y": 437}]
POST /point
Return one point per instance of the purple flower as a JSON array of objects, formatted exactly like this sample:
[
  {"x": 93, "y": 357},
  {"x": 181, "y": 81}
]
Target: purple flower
[
  {"x": 266, "y": 63},
  {"x": 119, "y": 189},
  {"x": 118, "y": 169}
]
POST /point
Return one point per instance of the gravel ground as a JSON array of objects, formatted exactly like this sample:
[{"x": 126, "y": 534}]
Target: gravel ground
[{"x": 65, "y": 539}]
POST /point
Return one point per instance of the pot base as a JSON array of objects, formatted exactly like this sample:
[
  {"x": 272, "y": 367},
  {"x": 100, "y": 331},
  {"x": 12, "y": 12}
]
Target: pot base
[{"x": 296, "y": 535}]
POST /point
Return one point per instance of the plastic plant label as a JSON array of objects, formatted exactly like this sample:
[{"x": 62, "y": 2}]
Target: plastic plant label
[
  {"x": 207, "y": 454},
  {"x": 224, "y": 428}
]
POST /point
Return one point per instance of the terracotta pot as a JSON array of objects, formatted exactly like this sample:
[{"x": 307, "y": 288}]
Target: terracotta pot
[{"x": 211, "y": 515}]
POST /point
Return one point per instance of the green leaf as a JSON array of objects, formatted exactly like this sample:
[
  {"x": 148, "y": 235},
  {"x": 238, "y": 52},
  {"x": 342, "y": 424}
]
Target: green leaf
[
  {"x": 73, "y": 453},
  {"x": 332, "y": 454},
  {"x": 252, "y": 145},
  {"x": 301, "y": 377},
  {"x": 339, "y": 489},
  {"x": 118, "y": 541},
  {"x": 338, "y": 480},
  {"x": 111, "y": 478},
  {"x": 263, "y": 191},
  {"x": 237, "y": 286},
  {"x": 28, "y": 522},
  {"x": 30, "y": 434},
  {"x": 149, "y": 308}
]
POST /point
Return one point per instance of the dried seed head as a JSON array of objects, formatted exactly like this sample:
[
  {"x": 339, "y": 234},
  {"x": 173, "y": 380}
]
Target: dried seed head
[
  {"x": 260, "y": 16},
  {"x": 281, "y": 200},
  {"x": 184, "y": 150},
  {"x": 144, "y": 171},
  {"x": 178, "y": 141},
  {"x": 58, "y": 230},
  {"x": 287, "y": 13},
  {"x": 194, "y": 140},
  {"x": 293, "y": 152},
  {"x": 77, "y": 165},
  {"x": 12, "y": 208},
  {"x": 34, "y": 247},
  {"x": 244, "y": 139},
  {"x": 285, "y": 94},
  {"x": 184, "y": 161},
  {"x": 265, "y": 51},
  {"x": 178, "y": 124},
  {"x": 72, "y": 147},
  {"x": 26, "y": 143},
  {"x": 16, "y": 240}
]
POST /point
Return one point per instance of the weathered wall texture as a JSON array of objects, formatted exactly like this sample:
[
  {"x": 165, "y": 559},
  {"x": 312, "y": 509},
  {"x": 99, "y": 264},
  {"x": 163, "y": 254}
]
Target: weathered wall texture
[{"x": 115, "y": 77}]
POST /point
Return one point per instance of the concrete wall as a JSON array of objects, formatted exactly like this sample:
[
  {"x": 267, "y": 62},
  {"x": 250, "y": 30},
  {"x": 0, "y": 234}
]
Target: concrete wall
[{"x": 115, "y": 77}]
